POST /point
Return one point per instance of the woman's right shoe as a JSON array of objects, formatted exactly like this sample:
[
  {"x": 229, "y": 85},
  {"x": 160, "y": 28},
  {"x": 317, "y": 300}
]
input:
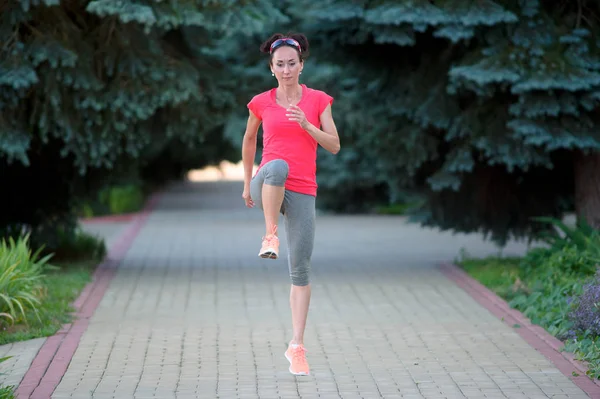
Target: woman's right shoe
[{"x": 270, "y": 247}]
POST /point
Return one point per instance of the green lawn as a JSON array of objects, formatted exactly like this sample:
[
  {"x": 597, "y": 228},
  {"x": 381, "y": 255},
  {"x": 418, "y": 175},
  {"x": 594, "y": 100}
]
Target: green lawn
[
  {"x": 62, "y": 288},
  {"x": 500, "y": 275},
  {"x": 555, "y": 287}
]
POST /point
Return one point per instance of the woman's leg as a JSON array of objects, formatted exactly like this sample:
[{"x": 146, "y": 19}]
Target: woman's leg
[
  {"x": 272, "y": 198},
  {"x": 299, "y": 217},
  {"x": 267, "y": 190}
]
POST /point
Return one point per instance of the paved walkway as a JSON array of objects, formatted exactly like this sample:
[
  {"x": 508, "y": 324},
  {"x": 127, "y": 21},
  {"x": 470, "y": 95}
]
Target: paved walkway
[{"x": 193, "y": 313}]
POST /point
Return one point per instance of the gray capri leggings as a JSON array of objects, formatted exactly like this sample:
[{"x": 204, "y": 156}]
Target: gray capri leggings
[{"x": 299, "y": 217}]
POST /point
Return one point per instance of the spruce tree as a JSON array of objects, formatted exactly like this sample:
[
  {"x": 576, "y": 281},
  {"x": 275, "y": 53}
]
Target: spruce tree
[
  {"x": 95, "y": 88},
  {"x": 487, "y": 110}
]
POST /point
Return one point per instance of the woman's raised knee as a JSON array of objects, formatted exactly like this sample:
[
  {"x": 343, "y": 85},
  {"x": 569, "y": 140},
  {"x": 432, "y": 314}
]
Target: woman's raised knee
[{"x": 277, "y": 172}]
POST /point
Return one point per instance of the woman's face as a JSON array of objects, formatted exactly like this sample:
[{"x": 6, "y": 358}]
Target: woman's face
[{"x": 286, "y": 65}]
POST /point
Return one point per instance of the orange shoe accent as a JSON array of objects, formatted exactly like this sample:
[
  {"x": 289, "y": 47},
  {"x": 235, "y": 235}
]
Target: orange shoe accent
[
  {"x": 270, "y": 246},
  {"x": 296, "y": 355}
]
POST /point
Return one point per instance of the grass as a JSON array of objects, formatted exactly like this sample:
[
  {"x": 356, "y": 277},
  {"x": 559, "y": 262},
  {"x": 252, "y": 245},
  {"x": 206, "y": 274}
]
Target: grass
[
  {"x": 500, "y": 275},
  {"x": 36, "y": 293},
  {"x": 556, "y": 287},
  {"x": 544, "y": 302},
  {"x": 63, "y": 286},
  {"x": 6, "y": 393}
]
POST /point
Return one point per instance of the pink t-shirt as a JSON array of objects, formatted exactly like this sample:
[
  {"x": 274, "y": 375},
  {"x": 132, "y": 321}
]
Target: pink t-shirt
[{"x": 285, "y": 139}]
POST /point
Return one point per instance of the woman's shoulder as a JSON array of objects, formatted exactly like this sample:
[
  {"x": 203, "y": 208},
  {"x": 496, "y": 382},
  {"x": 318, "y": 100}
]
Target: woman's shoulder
[
  {"x": 318, "y": 96},
  {"x": 265, "y": 95},
  {"x": 313, "y": 91},
  {"x": 259, "y": 102},
  {"x": 316, "y": 92}
]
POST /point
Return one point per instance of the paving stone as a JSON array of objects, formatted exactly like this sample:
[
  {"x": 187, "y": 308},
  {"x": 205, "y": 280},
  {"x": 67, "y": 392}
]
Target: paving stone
[
  {"x": 21, "y": 356},
  {"x": 193, "y": 312}
]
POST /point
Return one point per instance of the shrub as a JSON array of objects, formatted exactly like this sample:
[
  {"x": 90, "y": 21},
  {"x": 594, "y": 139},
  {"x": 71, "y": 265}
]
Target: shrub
[
  {"x": 21, "y": 274},
  {"x": 112, "y": 200},
  {"x": 556, "y": 287},
  {"x": 556, "y": 267},
  {"x": 123, "y": 199},
  {"x": 582, "y": 236},
  {"x": 76, "y": 244},
  {"x": 572, "y": 254},
  {"x": 86, "y": 210},
  {"x": 585, "y": 313}
]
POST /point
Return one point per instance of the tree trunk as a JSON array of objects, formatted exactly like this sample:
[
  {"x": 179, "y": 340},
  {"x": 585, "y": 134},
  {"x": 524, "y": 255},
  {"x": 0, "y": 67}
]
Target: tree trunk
[{"x": 587, "y": 188}]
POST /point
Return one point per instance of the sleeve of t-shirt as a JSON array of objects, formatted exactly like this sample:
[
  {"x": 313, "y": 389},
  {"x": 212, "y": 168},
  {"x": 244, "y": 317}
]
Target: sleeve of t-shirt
[
  {"x": 324, "y": 100},
  {"x": 256, "y": 105}
]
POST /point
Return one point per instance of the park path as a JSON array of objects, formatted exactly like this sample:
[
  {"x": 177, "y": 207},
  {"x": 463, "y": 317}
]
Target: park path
[{"x": 192, "y": 312}]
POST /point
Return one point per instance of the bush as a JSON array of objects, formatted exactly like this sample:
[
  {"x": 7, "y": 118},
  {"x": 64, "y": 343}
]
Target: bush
[
  {"x": 21, "y": 274},
  {"x": 122, "y": 199},
  {"x": 556, "y": 287},
  {"x": 45, "y": 292},
  {"x": 585, "y": 314},
  {"x": 113, "y": 200},
  {"x": 76, "y": 244},
  {"x": 556, "y": 275}
]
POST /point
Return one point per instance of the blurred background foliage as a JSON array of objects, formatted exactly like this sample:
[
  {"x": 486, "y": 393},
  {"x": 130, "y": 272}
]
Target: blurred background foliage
[{"x": 467, "y": 115}]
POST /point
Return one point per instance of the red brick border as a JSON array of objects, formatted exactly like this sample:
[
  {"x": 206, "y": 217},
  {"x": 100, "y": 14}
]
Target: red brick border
[
  {"x": 53, "y": 358},
  {"x": 534, "y": 335}
]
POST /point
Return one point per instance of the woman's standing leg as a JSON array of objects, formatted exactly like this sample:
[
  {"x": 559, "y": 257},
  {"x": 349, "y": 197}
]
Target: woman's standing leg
[
  {"x": 299, "y": 218},
  {"x": 267, "y": 190}
]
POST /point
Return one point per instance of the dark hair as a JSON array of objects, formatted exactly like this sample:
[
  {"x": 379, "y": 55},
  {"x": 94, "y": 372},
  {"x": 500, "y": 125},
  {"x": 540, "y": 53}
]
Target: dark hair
[{"x": 299, "y": 37}]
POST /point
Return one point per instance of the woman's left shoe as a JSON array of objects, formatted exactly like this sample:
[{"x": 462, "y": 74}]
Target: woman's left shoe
[{"x": 296, "y": 355}]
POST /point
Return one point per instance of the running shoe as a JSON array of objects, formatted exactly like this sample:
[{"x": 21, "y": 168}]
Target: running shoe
[
  {"x": 270, "y": 246},
  {"x": 296, "y": 355}
]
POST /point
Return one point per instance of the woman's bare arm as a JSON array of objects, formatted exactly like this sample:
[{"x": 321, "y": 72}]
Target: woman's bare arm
[{"x": 249, "y": 147}]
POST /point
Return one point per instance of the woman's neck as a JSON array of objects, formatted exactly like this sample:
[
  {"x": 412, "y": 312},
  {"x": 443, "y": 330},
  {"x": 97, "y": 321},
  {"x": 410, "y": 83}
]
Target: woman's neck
[{"x": 290, "y": 94}]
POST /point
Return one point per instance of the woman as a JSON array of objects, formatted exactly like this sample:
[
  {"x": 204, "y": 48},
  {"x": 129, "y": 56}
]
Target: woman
[{"x": 295, "y": 120}]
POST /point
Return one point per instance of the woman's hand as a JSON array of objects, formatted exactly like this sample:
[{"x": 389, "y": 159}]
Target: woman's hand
[
  {"x": 247, "y": 198},
  {"x": 296, "y": 114}
]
